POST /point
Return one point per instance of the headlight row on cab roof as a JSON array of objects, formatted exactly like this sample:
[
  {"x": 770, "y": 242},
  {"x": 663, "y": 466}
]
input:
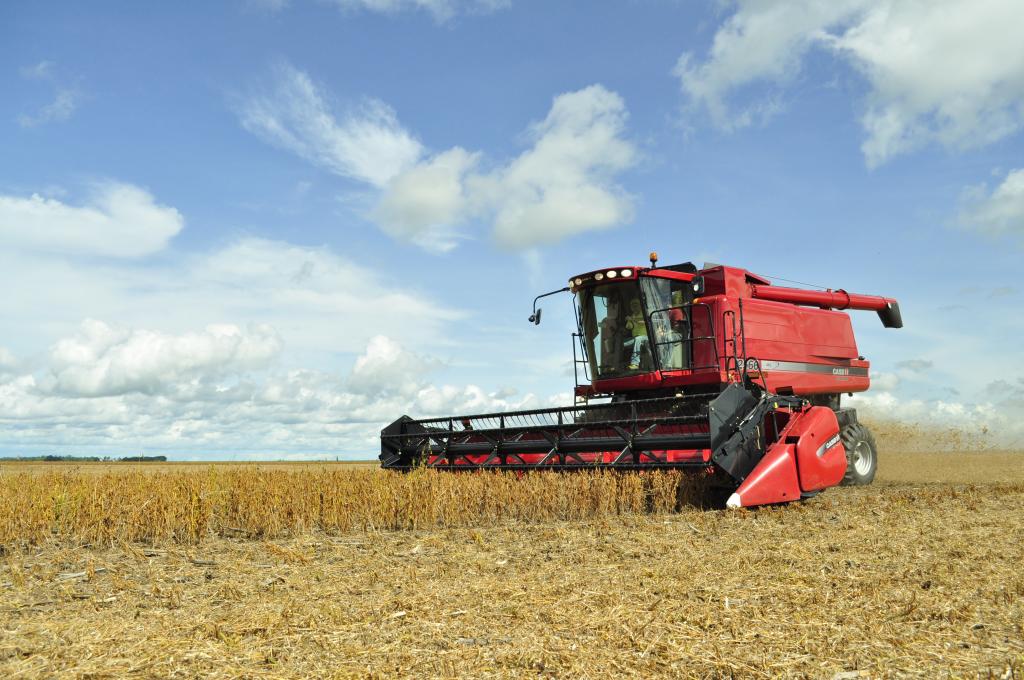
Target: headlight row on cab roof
[{"x": 601, "y": 276}]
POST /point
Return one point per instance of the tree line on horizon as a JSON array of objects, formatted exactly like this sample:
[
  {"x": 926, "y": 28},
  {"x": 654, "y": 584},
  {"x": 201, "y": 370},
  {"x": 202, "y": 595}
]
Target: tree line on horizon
[{"x": 89, "y": 459}]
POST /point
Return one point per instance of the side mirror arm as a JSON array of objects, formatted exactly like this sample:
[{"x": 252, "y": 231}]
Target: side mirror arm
[{"x": 535, "y": 317}]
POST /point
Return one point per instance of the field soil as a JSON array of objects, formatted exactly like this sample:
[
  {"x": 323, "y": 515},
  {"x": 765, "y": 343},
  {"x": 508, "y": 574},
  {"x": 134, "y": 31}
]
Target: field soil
[{"x": 918, "y": 575}]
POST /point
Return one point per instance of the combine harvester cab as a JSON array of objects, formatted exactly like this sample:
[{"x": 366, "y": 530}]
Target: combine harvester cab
[{"x": 715, "y": 371}]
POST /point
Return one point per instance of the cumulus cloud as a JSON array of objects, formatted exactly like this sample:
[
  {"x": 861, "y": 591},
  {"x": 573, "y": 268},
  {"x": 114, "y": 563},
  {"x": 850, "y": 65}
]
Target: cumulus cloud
[
  {"x": 762, "y": 41},
  {"x": 426, "y": 203},
  {"x": 118, "y": 220},
  {"x": 220, "y": 391},
  {"x": 884, "y": 382},
  {"x": 441, "y": 10},
  {"x": 103, "y": 361},
  {"x": 562, "y": 185},
  {"x": 996, "y": 212},
  {"x": 565, "y": 183},
  {"x": 950, "y": 71},
  {"x": 162, "y": 383},
  {"x": 367, "y": 143},
  {"x": 387, "y": 367}
]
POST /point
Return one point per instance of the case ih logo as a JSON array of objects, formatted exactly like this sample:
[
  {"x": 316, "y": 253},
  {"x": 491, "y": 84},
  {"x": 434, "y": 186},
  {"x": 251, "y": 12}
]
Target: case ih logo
[
  {"x": 840, "y": 371},
  {"x": 827, "y": 446}
]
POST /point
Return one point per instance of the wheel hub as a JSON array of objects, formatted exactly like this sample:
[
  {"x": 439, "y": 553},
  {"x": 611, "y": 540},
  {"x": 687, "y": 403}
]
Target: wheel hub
[{"x": 863, "y": 458}]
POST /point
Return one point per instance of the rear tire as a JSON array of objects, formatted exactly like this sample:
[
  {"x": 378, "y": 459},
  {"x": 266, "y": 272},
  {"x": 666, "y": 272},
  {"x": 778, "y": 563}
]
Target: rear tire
[{"x": 861, "y": 455}]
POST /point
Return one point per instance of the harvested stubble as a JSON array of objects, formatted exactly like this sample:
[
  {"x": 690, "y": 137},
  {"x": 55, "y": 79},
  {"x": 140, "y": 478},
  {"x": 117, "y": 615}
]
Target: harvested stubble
[
  {"x": 898, "y": 579},
  {"x": 189, "y": 506},
  {"x": 892, "y": 581}
]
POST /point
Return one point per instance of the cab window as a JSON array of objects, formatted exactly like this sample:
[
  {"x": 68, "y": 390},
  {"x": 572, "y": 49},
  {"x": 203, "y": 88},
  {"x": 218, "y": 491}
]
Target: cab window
[
  {"x": 667, "y": 301},
  {"x": 615, "y": 330}
]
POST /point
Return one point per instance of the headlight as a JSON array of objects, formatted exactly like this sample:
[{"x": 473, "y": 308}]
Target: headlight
[
  {"x": 578, "y": 281},
  {"x": 626, "y": 272},
  {"x": 598, "y": 276},
  {"x": 612, "y": 274}
]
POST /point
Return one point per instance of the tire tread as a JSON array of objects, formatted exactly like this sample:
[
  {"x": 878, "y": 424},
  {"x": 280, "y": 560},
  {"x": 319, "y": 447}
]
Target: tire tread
[{"x": 851, "y": 434}]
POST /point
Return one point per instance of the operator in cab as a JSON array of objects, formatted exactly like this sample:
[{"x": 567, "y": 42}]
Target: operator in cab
[{"x": 636, "y": 325}]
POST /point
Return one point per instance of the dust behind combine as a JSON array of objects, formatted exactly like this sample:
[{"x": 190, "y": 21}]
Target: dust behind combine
[{"x": 917, "y": 574}]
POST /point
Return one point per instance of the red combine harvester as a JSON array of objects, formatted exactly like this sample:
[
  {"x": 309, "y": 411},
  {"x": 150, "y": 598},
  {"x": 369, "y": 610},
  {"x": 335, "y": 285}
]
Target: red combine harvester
[{"x": 713, "y": 370}]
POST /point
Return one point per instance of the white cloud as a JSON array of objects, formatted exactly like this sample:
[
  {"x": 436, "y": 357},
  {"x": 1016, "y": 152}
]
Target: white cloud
[
  {"x": 441, "y": 10},
  {"x": 998, "y": 212},
  {"x": 211, "y": 352},
  {"x": 203, "y": 393},
  {"x": 426, "y": 202},
  {"x": 105, "y": 361},
  {"x": 321, "y": 303},
  {"x": 221, "y": 390},
  {"x": 386, "y": 367},
  {"x": 368, "y": 143},
  {"x": 884, "y": 382},
  {"x": 948, "y": 71},
  {"x": 119, "y": 220},
  {"x": 317, "y": 298},
  {"x": 761, "y": 41},
  {"x": 563, "y": 185}
]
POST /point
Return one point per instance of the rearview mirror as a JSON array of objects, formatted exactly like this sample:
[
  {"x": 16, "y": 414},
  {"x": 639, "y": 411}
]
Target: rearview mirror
[
  {"x": 535, "y": 317},
  {"x": 697, "y": 284}
]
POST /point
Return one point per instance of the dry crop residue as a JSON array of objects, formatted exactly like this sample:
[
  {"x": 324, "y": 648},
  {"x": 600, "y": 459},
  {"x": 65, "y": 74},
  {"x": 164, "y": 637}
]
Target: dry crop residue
[
  {"x": 190, "y": 506},
  {"x": 898, "y": 578}
]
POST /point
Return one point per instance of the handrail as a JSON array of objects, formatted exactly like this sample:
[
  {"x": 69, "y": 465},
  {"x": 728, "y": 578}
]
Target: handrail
[{"x": 690, "y": 340}]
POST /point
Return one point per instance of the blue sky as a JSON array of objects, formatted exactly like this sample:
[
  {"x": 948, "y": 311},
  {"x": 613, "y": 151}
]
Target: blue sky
[{"x": 266, "y": 229}]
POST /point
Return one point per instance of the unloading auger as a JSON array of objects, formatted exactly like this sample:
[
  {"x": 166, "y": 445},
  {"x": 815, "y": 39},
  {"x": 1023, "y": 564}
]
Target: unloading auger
[{"x": 712, "y": 370}]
